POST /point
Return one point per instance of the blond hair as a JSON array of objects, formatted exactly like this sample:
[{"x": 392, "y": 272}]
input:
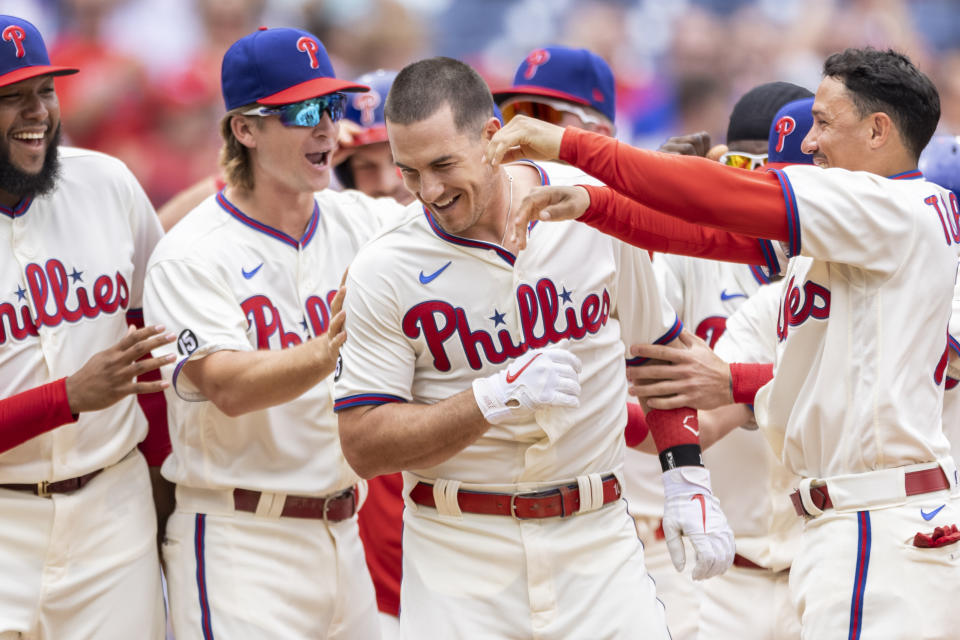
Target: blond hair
[{"x": 234, "y": 155}]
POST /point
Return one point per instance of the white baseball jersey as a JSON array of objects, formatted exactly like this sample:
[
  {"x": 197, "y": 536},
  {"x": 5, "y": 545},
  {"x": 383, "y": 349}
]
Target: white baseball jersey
[
  {"x": 750, "y": 481},
  {"x": 72, "y": 270},
  {"x": 221, "y": 280},
  {"x": 428, "y": 312},
  {"x": 862, "y": 326}
]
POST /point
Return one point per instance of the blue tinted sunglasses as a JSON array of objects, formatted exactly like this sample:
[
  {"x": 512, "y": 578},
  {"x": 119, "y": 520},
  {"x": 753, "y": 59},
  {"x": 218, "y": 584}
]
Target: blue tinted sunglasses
[{"x": 307, "y": 113}]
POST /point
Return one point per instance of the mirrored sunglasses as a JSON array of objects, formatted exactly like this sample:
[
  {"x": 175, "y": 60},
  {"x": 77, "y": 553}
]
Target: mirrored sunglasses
[
  {"x": 307, "y": 113},
  {"x": 552, "y": 111},
  {"x": 743, "y": 160}
]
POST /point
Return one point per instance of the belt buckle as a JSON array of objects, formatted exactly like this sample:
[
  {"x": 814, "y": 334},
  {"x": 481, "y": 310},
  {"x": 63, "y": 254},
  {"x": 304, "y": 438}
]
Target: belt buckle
[
  {"x": 513, "y": 507},
  {"x": 43, "y": 488},
  {"x": 326, "y": 507}
]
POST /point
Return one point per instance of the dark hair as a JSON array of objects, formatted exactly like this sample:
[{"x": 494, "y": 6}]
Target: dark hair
[
  {"x": 422, "y": 88},
  {"x": 886, "y": 81}
]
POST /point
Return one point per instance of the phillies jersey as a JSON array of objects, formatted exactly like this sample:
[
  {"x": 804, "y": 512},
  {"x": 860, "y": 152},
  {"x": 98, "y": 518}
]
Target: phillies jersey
[
  {"x": 73, "y": 268},
  {"x": 221, "y": 280},
  {"x": 859, "y": 374},
  {"x": 428, "y": 312}
]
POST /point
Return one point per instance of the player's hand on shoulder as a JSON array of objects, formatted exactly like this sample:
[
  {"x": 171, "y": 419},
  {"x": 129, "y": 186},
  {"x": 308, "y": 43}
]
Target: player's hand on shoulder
[
  {"x": 110, "y": 375},
  {"x": 329, "y": 342},
  {"x": 691, "y": 511},
  {"x": 553, "y": 203},
  {"x": 548, "y": 377},
  {"x": 524, "y": 137}
]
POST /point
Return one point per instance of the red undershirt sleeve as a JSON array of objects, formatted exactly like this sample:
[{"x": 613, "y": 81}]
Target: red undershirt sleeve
[
  {"x": 747, "y": 378},
  {"x": 156, "y": 446},
  {"x": 641, "y": 226},
  {"x": 691, "y": 188},
  {"x": 32, "y": 412}
]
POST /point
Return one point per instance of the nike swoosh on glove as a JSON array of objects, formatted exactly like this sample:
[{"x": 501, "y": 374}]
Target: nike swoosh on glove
[
  {"x": 691, "y": 510},
  {"x": 540, "y": 378}
]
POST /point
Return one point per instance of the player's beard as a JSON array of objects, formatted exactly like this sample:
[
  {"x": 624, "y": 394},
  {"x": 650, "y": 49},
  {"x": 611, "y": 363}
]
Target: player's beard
[{"x": 30, "y": 185}]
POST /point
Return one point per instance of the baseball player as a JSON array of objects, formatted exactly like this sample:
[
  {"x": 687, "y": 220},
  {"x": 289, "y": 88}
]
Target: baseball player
[
  {"x": 855, "y": 406},
  {"x": 575, "y": 87},
  {"x": 77, "y": 553},
  {"x": 464, "y": 369},
  {"x": 364, "y": 161},
  {"x": 263, "y": 541}
]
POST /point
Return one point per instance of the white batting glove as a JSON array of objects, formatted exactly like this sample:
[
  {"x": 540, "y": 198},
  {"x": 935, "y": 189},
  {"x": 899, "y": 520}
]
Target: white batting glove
[
  {"x": 540, "y": 378},
  {"x": 691, "y": 510}
]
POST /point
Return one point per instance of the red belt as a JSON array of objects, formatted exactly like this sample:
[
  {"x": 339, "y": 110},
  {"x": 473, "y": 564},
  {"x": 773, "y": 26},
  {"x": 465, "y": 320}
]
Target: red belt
[
  {"x": 332, "y": 509},
  {"x": 561, "y": 501},
  {"x": 45, "y": 488},
  {"x": 915, "y": 482}
]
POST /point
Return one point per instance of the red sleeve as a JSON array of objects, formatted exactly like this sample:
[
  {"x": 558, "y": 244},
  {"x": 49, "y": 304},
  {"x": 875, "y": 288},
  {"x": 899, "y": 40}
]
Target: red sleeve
[
  {"x": 32, "y": 412},
  {"x": 746, "y": 380},
  {"x": 630, "y": 221},
  {"x": 636, "y": 430},
  {"x": 686, "y": 187},
  {"x": 156, "y": 446}
]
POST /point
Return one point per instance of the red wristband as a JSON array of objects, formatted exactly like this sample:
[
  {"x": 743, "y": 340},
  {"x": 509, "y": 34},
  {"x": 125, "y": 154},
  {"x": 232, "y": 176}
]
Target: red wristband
[
  {"x": 637, "y": 428},
  {"x": 672, "y": 427},
  {"x": 746, "y": 380}
]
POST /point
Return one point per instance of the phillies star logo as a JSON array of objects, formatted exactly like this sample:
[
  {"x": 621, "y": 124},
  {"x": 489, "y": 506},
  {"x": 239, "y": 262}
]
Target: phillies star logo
[
  {"x": 534, "y": 61},
  {"x": 310, "y": 47},
  {"x": 784, "y": 127},
  {"x": 16, "y": 35},
  {"x": 366, "y": 104}
]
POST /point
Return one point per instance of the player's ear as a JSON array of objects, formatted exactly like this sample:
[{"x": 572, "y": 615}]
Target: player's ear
[
  {"x": 242, "y": 128},
  {"x": 881, "y": 129},
  {"x": 490, "y": 127}
]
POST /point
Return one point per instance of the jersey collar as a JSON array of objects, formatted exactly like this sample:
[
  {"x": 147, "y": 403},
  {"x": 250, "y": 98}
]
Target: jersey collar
[
  {"x": 18, "y": 209},
  {"x": 505, "y": 255},
  {"x": 243, "y": 218},
  {"x": 913, "y": 174}
]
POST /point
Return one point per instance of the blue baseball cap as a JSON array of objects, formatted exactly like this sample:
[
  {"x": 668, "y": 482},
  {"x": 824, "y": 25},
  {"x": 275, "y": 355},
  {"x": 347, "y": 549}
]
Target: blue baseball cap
[
  {"x": 278, "y": 66},
  {"x": 23, "y": 54},
  {"x": 575, "y": 75},
  {"x": 789, "y": 127},
  {"x": 940, "y": 162},
  {"x": 366, "y": 109}
]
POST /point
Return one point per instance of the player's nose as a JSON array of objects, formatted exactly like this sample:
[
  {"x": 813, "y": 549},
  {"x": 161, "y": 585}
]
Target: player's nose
[
  {"x": 809, "y": 143},
  {"x": 430, "y": 188}
]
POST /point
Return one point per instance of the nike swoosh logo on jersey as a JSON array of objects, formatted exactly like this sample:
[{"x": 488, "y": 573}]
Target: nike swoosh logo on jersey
[
  {"x": 252, "y": 272},
  {"x": 703, "y": 508},
  {"x": 729, "y": 296},
  {"x": 424, "y": 279},
  {"x": 694, "y": 430},
  {"x": 932, "y": 514},
  {"x": 513, "y": 376}
]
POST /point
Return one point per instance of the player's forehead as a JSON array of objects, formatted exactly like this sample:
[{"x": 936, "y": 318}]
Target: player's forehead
[
  {"x": 30, "y": 84},
  {"x": 831, "y": 98},
  {"x": 436, "y": 137}
]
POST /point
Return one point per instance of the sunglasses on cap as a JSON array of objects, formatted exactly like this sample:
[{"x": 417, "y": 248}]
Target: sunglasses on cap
[
  {"x": 743, "y": 160},
  {"x": 307, "y": 113},
  {"x": 552, "y": 111}
]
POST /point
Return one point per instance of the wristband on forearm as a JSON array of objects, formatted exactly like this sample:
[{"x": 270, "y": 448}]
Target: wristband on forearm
[
  {"x": 676, "y": 433},
  {"x": 746, "y": 380}
]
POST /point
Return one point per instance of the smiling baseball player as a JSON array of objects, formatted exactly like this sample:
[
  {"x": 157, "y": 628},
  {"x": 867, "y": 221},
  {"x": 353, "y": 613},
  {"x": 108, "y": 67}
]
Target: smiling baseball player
[
  {"x": 264, "y": 542},
  {"x": 855, "y": 405},
  {"x": 497, "y": 384}
]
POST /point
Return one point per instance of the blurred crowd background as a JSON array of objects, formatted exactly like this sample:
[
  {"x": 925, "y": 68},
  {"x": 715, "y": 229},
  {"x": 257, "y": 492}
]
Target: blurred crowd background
[{"x": 148, "y": 91}]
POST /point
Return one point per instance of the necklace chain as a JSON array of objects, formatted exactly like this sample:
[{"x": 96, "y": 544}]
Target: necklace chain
[{"x": 506, "y": 222}]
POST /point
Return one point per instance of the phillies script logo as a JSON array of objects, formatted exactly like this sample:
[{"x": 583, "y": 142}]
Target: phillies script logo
[
  {"x": 440, "y": 321},
  {"x": 310, "y": 47},
  {"x": 56, "y": 300},
  {"x": 264, "y": 317},
  {"x": 16, "y": 35},
  {"x": 535, "y": 60},
  {"x": 784, "y": 127},
  {"x": 812, "y": 302}
]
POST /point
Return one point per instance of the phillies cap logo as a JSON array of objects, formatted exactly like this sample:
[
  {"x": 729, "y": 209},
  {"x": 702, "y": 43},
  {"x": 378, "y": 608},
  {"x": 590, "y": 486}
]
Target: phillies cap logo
[
  {"x": 534, "y": 60},
  {"x": 784, "y": 127},
  {"x": 310, "y": 47},
  {"x": 16, "y": 35},
  {"x": 366, "y": 104}
]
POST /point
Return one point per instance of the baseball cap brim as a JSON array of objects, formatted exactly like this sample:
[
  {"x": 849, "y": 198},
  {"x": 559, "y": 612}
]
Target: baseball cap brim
[
  {"x": 311, "y": 89},
  {"x": 25, "y": 73},
  {"x": 371, "y": 135},
  {"x": 532, "y": 90}
]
